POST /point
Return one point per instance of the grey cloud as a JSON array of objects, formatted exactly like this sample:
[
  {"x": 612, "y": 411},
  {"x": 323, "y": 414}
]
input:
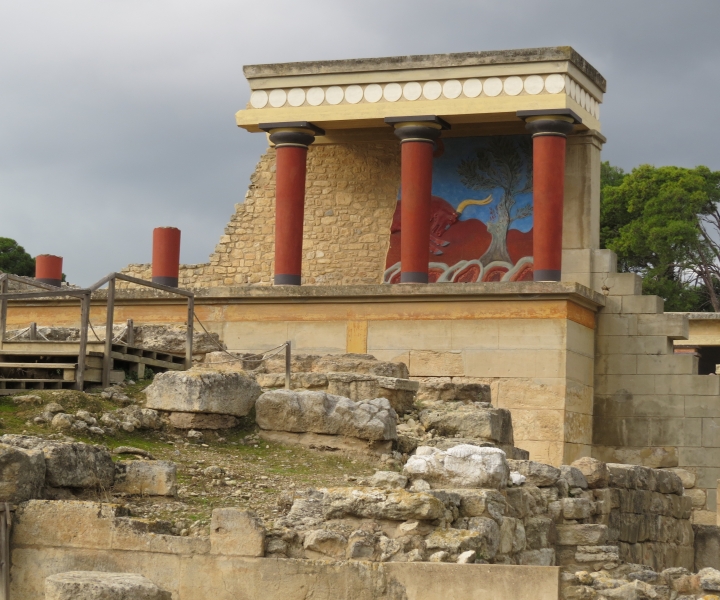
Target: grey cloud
[{"x": 117, "y": 116}]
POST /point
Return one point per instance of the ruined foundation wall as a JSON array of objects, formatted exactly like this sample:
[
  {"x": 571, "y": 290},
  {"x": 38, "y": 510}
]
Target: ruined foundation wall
[{"x": 351, "y": 194}]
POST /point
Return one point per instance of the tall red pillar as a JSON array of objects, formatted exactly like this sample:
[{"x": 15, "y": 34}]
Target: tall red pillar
[
  {"x": 549, "y": 130},
  {"x": 166, "y": 256},
  {"x": 417, "y": 142},
  {"x": 48, "y": 269},
  {"x": 291, "y": 141}
]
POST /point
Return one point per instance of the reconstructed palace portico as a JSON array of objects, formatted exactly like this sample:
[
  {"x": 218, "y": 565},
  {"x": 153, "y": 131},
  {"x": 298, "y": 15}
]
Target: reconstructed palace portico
[{"x": 474, "y": 181}]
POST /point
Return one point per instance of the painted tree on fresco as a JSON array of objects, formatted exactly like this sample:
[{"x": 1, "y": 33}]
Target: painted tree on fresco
[{"x": 506, "y": 163}]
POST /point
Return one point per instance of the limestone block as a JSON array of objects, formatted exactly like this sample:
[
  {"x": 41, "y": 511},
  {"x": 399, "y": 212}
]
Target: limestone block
[
  {"x": 359, "y": 363},
  {"x": 676, "y": 327},
  {"x": 171, "y": 339},
  {"x": 146, "y": 478},
  {"x": 573, "y": 476},
  {"x": 709, "y": 579},
  {"x": 373, "y": 503},
  {"x": 462, "y": 466},
  {"x": 481, "y": 503},
  {"x": 643, "y": 304},
  {"x": 428, "y": 363},
  {"x": 591, "y": 554},
  {"x": 604, "y": 261},
  {"x": 576, "y": 508},
  {"x": 581, "y": 535},
  {"x": 484, "y": 540},
  {"x": 361, "y": 386},
  {"x": 74, "y": 465},
  {"x": 707, "y": 546},
  {"x": 540, "y": 532},
  {"x": 318, "y": 412},
  {"x": 188, "y": 420},
  {"x": 22, "y": 473},
  {"x": 325, "y": 542},
  {"x": 469, "y": 421},
  {"x": 203, "y": 391},
  {"x": 62, "y": 523},
  {"x": 543, "y": 557},
  {"x": 535, "y": 473},
  {"x": 298, "y": 381},
  {"x": 236, "y": 532},
  {"x": 618, "y": 284},
  {"x": 698, "y": 496},
  {"x": 93, "y": 585},
  {"x": 388, "y": 480},
  {"x": 442, "y": 389}
]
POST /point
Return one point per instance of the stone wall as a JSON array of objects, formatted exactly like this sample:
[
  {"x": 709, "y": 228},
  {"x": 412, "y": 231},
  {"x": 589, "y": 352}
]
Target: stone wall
[
  {"x": 651, "y": 406},
  {"x": 56, "y": 537},
  {"x": 351, "y": 193}
]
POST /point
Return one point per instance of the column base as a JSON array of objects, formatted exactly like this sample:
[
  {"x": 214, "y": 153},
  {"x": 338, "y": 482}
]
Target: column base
[
  {"x": 413, "y": 277},
  {"x": 55, "y": 282},
  {"x": 546, "y": 275},
  {"x": 287, "y": 280},
  {"x": 168, "y": 281}
]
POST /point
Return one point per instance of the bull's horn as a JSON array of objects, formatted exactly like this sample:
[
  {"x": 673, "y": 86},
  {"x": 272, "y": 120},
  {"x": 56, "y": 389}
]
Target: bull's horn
[{"x": 465, "y": 203}]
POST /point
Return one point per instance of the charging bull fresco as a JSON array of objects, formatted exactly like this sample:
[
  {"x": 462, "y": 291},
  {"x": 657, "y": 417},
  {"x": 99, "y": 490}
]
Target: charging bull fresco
[{"x": 481, "y": 212}]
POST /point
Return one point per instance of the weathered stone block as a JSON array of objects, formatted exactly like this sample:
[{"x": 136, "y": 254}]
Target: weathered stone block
[
  {"x": 388, "y": 480},
  {"x": 540, "y": 532},
  {"x": 581, "y": 535},
  {"x": 543, "y": 557},
  {"x": 535, "y": 473},
  {"x": 146, "y": 478},
  {"x": 203, "y": 391},
  {"x": 481, "y": 503},
  {"x": 22, "y": 473},
  {"x": 573, "y": 476},
  {"x": 686, "y": 477},
  {"x": 576, "y": 508},
  {"x": 369, "y": 503},
  {"x": 359, "y": 363},
  {"x": 236, "y": 532},
  {"x": 707, "y": 546},
  {"x": 318, "y": 412},
  {"x": 484, "y": 540},
  {"x": 469, "y": 421},
  {"x": 325, "y": 542},
  {"x": 74, "y": 465},
  {"x": 93, "y": 585},
  {"x": 462, "y": 466},
  {"x": 187, "y": 420}
]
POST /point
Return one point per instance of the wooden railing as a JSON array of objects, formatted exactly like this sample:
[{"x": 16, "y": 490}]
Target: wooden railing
[{"x": 85, "y": 294}]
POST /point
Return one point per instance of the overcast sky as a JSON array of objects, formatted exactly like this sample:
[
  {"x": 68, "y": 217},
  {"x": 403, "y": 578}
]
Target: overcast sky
[{"x": 116, "y": 116}]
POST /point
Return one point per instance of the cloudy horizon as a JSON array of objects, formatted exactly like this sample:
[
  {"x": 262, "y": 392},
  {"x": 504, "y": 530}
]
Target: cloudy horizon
[{"x": 118, "y": 116}]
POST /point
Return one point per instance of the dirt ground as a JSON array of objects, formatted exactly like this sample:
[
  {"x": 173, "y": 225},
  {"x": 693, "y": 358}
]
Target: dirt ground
[{"x": 228, "y": 468}]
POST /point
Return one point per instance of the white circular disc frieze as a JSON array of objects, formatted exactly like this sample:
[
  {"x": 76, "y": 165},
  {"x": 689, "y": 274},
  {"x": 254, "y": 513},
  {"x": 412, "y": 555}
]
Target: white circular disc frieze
[
  {"x": 492, "y": 86},
  {"x": 412, "y": 90},
  {"x": 392, "y": 92},
  {"x": 555, "y": 83},
  {"x": 472, "y": 88},
  {"x": 597, "y": 111},
  {"x": 513, "y": 86},
  {"x": 278, "y": 98},
  {"x": 353, "y": 94},
  {"x": 296, "y": 97},
  {"x": 583, "y": 98},
  {"x": 315, "y": 96},
  {"x": 334, "y": 94},
  {"x": 259, "y": 99},
  {"x": 452, "y": 88},
  {"x": 373, "y": 92},
  {"x": 534, "y": 84},
  {"x": 432, "y": 90}
]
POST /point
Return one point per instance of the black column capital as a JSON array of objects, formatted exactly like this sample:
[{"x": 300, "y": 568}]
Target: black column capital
[
  {"x": 292, "y": 133},
  {"x": 425, "y": 128},
  {"x": 558, "y": 122}
]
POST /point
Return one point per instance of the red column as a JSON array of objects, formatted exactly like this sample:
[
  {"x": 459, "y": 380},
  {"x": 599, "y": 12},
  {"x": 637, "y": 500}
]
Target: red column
[
  {"x": 48, "y": 269},
  {"x": 416, "y": 188},
  {"x": 417, "y": 142},
  {"x": 548, "y": 197},
  {"x": 166, "y": 256},
  {"x": 291, "y": 166},
  {"x": 291, "y": 141},
  {"x": 549, "y": 130}
]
